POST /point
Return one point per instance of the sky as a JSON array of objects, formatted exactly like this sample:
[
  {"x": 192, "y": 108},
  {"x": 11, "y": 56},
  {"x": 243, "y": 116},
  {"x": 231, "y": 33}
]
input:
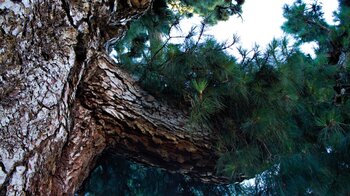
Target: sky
[{"x": 262, "y": 21}]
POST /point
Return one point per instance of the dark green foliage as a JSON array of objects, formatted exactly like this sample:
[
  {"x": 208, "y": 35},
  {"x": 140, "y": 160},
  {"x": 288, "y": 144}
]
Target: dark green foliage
[
  {"x": 214, "y": 10},
  {"x": 114, "y": 175},
  {"x": 307, "y": 24},
  {"x": 275, "y": 112},
  {"x": 165, "y": 68},
  {"x": 310, "y": 16}
]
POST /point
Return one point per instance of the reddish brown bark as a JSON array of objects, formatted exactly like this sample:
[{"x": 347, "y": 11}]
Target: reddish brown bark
[{"x": 144, "y": 129}]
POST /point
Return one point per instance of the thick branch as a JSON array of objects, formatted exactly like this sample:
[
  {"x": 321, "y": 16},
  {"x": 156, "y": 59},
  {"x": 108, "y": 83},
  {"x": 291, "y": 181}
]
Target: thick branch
[{"x": 139, "y": 127}]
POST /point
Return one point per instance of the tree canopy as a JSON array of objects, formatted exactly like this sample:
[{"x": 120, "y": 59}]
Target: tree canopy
[{"x": 280, "y": 115}]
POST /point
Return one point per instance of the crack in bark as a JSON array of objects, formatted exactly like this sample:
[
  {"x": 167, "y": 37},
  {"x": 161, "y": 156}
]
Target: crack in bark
[
  {"x": 80, "y": 49},
  {"x": 66, "y": 8}
]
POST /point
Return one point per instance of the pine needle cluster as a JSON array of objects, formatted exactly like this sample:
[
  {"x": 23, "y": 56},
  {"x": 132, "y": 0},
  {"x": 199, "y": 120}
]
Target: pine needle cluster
[{"x": 274, "y": 111}]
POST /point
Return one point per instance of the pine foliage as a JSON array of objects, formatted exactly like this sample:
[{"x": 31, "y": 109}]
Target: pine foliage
[{"x": 275, "y": 112}]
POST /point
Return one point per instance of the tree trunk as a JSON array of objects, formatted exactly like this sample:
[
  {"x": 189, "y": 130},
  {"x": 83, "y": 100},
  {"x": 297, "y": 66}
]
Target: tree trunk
[{"x": 63, "y": 101}]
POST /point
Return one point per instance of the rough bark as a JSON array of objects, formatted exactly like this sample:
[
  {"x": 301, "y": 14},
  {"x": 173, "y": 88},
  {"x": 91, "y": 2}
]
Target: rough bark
[{"x": 63, "y": 101}]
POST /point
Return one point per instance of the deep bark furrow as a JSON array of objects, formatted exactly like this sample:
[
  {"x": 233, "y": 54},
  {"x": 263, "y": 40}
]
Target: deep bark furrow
[
  {"x": 66, "y": 8},
  {"x": 86, "y": 141}
]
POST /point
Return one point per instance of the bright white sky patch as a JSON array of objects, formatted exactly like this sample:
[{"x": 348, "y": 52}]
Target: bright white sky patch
[
  {"x": 262, "y": 21},
  {"x": 309, "y": 48}
]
